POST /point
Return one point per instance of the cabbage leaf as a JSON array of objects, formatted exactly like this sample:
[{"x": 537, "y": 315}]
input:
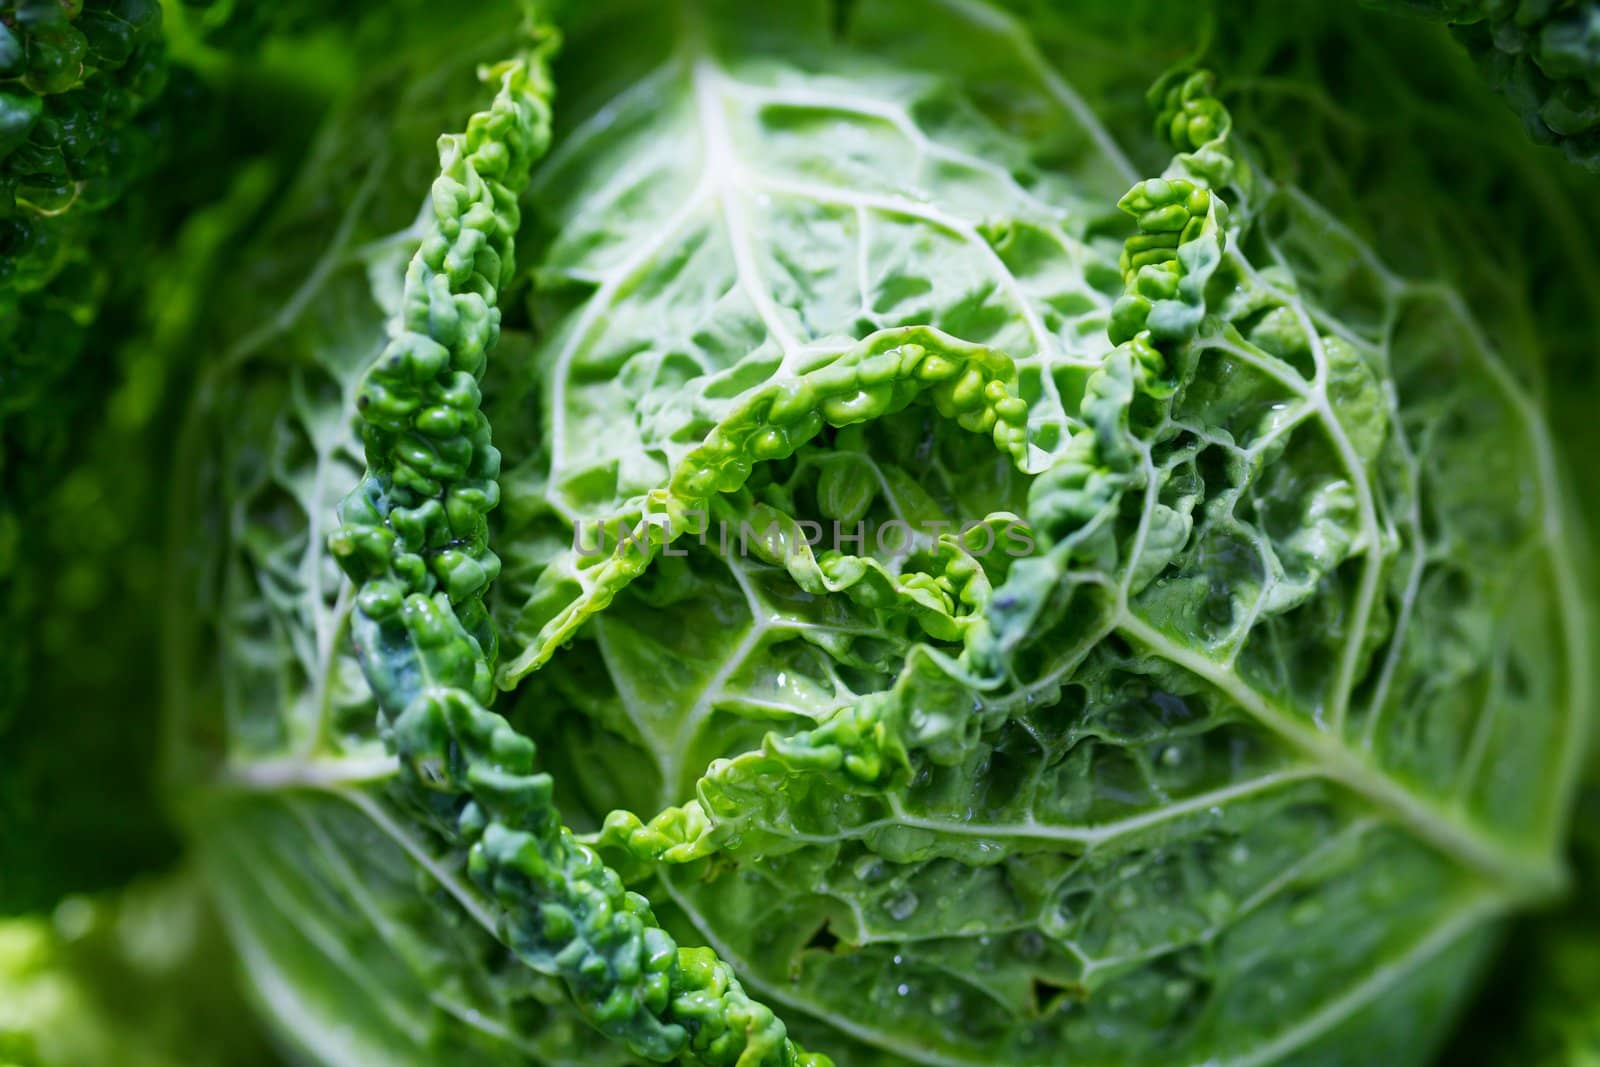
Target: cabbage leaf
[{"x": 1241, "y": 761}]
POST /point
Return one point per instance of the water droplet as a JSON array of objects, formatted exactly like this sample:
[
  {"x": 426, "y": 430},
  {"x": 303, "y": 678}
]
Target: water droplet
[
  {"x": 903, "y": 906},
  {"x": 868, "y": 868}
]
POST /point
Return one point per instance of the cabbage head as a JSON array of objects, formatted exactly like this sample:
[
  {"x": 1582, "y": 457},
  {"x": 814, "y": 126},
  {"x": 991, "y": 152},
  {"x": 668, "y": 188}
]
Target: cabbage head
[{"x": 851, "y": 532}]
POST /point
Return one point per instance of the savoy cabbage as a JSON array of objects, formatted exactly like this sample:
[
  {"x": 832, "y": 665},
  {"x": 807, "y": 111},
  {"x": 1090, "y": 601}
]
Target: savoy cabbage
[{"x": 866, "y": 533}]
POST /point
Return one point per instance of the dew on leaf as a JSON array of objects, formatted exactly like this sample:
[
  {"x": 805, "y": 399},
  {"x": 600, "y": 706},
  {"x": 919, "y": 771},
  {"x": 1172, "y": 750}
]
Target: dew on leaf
[{"x": 903, "y": 906}]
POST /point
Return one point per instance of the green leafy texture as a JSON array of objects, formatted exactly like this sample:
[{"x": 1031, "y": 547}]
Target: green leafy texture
[
  {"x": 78, "y": 807},
  {"x": 1226, "y": 768},
  {"x": 84, "y": 468},
  {"x": 1542, "y": 56},
  {"x": 76, "y": 84},
  {"x": 1246, "y": 566},
  {"x": 414, "y": 537},
  {"x": 139, "y": 977},
  {"x": 1357, "y": 107},
  {"x": 74, "y": 79},
  {"x": 1165, "y": 268},
  {"x": 511, "y": 1014},
  {"x": 85, "y": 447},
  {"x": 353, "y": 941},
  {"x": 79, "y": 565}
]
